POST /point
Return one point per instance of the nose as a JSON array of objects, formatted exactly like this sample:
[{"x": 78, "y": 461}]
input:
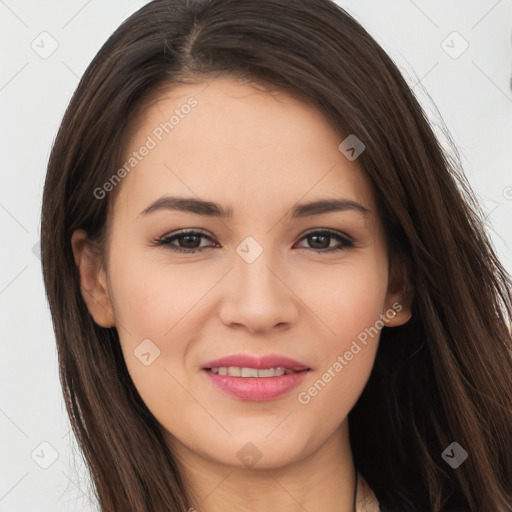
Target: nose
[{"x": 258, "y": 297}]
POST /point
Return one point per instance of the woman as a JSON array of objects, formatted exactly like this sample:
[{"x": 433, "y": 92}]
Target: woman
[{"x": 270, "y": 287}]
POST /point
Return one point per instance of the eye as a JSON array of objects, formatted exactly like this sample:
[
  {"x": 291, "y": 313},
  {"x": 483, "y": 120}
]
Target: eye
[
  {"x": 190, "y": 241},
  {"x": 320, "y": 241}
]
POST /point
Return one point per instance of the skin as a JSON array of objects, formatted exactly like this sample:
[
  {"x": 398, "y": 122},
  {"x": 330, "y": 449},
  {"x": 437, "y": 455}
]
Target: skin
[{"x": 258, "y": 153}]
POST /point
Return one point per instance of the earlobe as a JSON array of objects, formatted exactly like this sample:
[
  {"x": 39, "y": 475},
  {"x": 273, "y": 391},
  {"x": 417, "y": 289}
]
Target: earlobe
[
  {"x": 397, "y": 314},
  {"x": 93, "y": 282}
]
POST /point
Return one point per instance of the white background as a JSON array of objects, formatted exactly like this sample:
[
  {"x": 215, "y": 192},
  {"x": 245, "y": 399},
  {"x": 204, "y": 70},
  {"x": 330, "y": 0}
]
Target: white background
[{"x": 472, "y": 93}]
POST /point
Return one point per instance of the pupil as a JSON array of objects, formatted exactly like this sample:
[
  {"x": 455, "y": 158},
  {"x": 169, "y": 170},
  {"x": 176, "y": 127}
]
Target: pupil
[
  {"x": 188, "y": 237},
  {"x": 316, "y": 237}
]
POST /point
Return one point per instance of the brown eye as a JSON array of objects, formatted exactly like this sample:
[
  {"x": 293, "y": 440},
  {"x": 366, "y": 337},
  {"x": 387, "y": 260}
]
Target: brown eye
[
  {"x": 320, "y": 241},
  {"x": 188, "y": 241}
]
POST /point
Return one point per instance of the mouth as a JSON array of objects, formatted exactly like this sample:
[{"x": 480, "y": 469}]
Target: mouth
[
  {"x": 255, "y": 379},
  {"x": 251, "y": 363},
  {"x": 236, "y": 371}
]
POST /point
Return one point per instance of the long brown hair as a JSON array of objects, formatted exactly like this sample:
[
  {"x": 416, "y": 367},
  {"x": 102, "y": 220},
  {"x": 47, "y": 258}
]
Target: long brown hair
[{"x": 444, "y": 377}]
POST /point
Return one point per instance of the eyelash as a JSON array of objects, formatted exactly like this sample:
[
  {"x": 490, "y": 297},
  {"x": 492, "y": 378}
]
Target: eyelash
[{"x": 346, "y": 242}]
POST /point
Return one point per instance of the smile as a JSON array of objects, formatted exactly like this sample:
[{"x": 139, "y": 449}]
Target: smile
[{"x": 235, "y": 371}]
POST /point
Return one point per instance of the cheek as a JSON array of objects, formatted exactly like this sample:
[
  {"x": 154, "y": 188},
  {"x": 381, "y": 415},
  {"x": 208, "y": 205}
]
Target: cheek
[
  {"x": 150, "y": 303},
  {"x": 151, "y": 306},
  {"x": 149, "y": 296},
  {"x": 349, "y": 299},
  {"x": 350, "y": 307},
  {"x": 143, "y": 304}
]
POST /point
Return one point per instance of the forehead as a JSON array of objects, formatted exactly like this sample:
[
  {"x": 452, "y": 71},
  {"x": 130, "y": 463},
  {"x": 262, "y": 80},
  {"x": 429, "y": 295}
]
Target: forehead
[{"x": 247, "y": 148}]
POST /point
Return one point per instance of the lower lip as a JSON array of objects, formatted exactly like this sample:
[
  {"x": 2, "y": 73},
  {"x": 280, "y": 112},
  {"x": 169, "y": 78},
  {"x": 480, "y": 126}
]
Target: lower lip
[{"x": 257, "y": 388}]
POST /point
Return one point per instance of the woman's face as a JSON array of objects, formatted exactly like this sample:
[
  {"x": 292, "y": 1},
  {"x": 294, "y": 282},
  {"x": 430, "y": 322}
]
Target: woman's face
[{"x": 261, "y": 283}]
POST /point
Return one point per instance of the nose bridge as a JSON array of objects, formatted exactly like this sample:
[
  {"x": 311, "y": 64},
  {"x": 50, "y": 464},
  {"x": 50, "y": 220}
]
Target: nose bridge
[
  {"x": 257, "y": 298},
  {"x": 253, "y": 268}
]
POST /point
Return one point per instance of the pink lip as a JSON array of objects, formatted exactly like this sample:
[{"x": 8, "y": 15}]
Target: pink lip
[
  {"x": 257, "y": 388},
  {"x": 261, "y": 363}
]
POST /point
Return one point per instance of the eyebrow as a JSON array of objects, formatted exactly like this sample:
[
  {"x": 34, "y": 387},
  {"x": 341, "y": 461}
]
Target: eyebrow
[{"x": 212, "y": 209}]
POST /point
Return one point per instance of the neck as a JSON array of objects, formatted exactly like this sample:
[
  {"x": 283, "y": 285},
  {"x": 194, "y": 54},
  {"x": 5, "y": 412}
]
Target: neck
[{"x": 323, "y": 480}]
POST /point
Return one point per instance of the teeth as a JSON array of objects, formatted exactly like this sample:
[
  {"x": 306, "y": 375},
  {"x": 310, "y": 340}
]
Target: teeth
[
  {"x": 235, "y": 371},
  {"x": 246, "y": 372}
]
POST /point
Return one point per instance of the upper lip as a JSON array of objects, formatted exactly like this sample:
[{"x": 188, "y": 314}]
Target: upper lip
[{"x": 260, "y": 363}]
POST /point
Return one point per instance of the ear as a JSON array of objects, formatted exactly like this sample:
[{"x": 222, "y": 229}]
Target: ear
[
  {"x": 398, "y": 296},
  {"x": 93, "y": 280}
]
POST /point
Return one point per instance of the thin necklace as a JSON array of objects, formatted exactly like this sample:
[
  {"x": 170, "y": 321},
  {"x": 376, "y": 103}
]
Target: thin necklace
[{"x": 355, "y": 492}]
